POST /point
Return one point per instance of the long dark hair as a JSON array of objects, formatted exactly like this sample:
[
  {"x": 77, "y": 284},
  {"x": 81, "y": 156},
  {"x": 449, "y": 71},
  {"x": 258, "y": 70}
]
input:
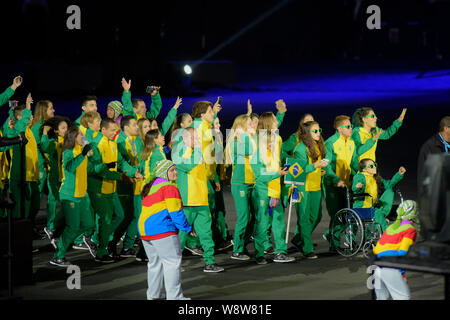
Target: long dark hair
[
  {"x": 54, "y": 124},
  {"x": 307, "y": 139},
  {"x": 379, "y": 180},
  {"x": 70, "y": 137}
]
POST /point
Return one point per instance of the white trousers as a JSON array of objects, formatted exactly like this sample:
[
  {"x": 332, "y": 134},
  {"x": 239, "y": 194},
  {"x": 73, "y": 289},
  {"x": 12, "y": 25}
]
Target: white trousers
[{"x": 390, "y": 282}]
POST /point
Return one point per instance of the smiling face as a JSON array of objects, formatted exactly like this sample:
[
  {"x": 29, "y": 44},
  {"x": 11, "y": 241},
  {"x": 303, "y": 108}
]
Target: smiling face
[
  {"x": 110, "y": 112},
  {"x": 370, "y": 167},
  {"x": 345, "y": 129},
  {"x": 90, "y": 105},
  {"x": 172, "y": 173},
  {"x": 62, "y": 129},
  {"x": 160, "y": 140},
  {"x": 187, "y": 121},
  {"x": 370, "y": 120},
  {"x": 109, "y": 131},
  {"x": 315, "y": 132},
  {"x": 50, "y": 111}
]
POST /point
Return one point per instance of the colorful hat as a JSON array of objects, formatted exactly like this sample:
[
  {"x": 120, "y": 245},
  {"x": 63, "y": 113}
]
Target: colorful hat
[
  {"x": 407, "y": 210},
  {"x": 117, "y": 107},
  {"x": 162, "y": 167}
]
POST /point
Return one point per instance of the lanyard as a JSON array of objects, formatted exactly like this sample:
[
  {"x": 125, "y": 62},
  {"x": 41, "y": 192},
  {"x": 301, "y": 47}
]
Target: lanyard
[{"x": 446, "y": 144}]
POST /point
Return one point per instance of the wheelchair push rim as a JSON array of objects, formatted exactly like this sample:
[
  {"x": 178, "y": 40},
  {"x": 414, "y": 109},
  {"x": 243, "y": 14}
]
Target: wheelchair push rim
[{"x": 347, "y": 232}]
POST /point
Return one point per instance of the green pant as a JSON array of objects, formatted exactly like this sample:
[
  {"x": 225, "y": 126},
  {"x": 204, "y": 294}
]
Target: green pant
[
  {"x": 29, "y": 198},
  {"x": 52, "y": 202},
  {"x": 110, "y": 215},
  {"x": 242, "y": 196},
  {"x": 200, "y": 219},
  {"x": 77, "y": 221},
  {"x": 275, "y": 220},
  {"x": 335, "y": 200},
  {"x": 132, "y": 205},
  {"x": 219, "y": 224},
  {"x": 383, "y": 208},
  {"x": 310, "y": 214}
]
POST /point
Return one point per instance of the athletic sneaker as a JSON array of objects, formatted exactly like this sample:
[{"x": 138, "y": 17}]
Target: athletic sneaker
[
  {"x": 55, "y": 242},
  {"x": 196, "y": 251},
  {"x": 213, "y": 268},
  {"x": 91, "y": 246},
  {"x": 282, "y": 257},
  {"x": 49, "y": 233},
  {"x": 269, "y": 251},
  {"x": 311, "y": 255},
  {"x": 128, "y": 253},
  {"x": 225, "y": 245},
  {"x": 80, "y": 246},
  {"x": 261, "y": 260},
  {"x": 60, "y": 262},
  {"x": 105, "y": 259},
  {"x": 240, "y": 256}
]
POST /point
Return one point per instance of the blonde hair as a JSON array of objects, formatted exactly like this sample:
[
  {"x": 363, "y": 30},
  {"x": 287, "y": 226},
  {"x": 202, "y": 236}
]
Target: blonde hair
[
  {"x": 89, "y": 117},
  {"x": 140, "y": 124},
  {"x": 40, "y": 113},
  {"x": 239, "y": 121}
]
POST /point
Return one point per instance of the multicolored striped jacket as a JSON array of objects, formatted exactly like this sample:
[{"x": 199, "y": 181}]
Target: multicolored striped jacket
[{"x": 162, "y": 212}]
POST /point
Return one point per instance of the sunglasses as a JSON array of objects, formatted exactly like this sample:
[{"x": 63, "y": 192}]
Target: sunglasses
[
  {"x": 370, "y": 115},
  {"x": 349, "y": 126},
  {"x": 371, "y": 166},
  {"x": 317, "y": 130}
]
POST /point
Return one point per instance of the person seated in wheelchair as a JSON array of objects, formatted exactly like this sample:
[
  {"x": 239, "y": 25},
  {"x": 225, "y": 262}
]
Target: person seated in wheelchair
[{"x": 381, "y": 191}]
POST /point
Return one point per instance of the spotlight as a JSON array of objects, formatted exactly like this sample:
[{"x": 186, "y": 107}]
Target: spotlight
[{"x": 187, "y": 69}]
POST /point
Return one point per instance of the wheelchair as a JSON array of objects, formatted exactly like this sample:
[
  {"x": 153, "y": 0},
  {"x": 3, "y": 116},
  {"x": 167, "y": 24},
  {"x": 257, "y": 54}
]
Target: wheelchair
[{"x": 355, "y": 229}]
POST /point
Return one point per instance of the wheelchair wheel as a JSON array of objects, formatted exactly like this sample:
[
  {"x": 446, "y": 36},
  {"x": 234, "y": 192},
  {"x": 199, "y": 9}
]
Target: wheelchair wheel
[{"x": 347, "y": 232}]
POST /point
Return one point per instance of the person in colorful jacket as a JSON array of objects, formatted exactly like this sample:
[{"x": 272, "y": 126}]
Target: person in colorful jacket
[
  {"x": 267, "y": 171},
  {"x": 161, "y": 218},
  {"x": 77, "y": 219},
  {"x": 192, "y": 183},
  {"x": 310, "y": 154},
  {"x": 367, "y": 180},
  {"x": 365, "y": 128},
  {"x": 396, "y": 241}
]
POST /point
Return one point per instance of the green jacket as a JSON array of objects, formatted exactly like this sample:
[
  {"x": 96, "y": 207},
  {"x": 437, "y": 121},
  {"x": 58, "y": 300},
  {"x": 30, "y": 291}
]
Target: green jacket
[
  {"x": 53, "y": 149},
  {"x": 74, "y": 184},
  {"x": 131, "y": 152},
  {"x": 240, "y": 155},
  {"x": 6, "y": 95}
]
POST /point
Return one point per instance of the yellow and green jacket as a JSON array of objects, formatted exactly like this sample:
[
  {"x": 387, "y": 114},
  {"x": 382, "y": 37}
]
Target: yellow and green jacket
[
  {"x": 53, "y": 149},
  {"x": 191, "y": 175},
  {"x": 361, "y": 136},
  {"x": 311, "y": 177},
  {"x": 102, "y": 179},
  {"x": 74, "y": 182},
  {"x": 265, "y": 168},
  {"x": 204, "y": 134},
  {"x": 130, "y": 149},
  {"x": 343, "y": 157},
  {"x": 242, "y": 152},
  {"x": 31, "y": 149},
  {"x": 370, "y": 186}
]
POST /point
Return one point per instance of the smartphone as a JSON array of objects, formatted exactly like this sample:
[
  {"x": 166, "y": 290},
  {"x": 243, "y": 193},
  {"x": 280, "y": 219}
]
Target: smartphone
[
  {"x": 20, "y": 79},
  {"x": 326, "y": 160},
  {"x": 219, "y": 100},
  {"x": 12, "y": 104},
  {"x": 286, "y": 166},
  {"x": 149, "y": 89}
]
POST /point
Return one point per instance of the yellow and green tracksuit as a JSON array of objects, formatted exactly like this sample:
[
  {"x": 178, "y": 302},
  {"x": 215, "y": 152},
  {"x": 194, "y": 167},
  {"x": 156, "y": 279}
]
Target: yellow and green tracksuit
[
  {"x": 53, "y": 150},
  {"x": 242, "y": 186},
  {"x": 309, "y": 211},
  {"x": 5, "y": 157},
  {"x": 361, "y": 136},
  {"x": 43, "y": 160},
  {"x": 270, "y": 211},
  {"x": 29, "y": 197},
  {"x": 72, "y": 195},
  {"x": 129, "y": 194},
  {"x": 102, "y": 183},
  {"x": 193, "y": 188},
  {"x": 383, "y": 203}
]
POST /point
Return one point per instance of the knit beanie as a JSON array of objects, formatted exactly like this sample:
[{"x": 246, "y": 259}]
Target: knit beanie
[
  {"x": 117, "y": 107},
  {"x": 407, "y": 210},
  {"x": 162, "y": 167}
]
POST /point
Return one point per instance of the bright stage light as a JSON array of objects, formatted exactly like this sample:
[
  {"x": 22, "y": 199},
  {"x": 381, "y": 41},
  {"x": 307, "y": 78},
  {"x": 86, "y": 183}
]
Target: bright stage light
[{"x": 187, "y": 69}]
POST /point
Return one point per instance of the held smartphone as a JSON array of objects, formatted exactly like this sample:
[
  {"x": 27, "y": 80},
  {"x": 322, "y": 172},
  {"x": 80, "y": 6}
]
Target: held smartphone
[
  {"x": 149, "y": 90},
  {"x": 12, "y": 104},
  {"x": 219, "y": 100},
  {"x": 286, "y": 166}
]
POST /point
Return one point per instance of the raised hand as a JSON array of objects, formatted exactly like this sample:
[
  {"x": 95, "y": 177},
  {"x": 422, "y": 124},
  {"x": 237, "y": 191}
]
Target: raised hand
[
  {"x": 402, "y": 115},
  {"x": 126, "y": 85},
  {"x": 283, "y": 171},
  {"x": 178, "y": 103},
  {"x": 217, "y": 107},
  {"x": 249, "y": 108},
  {"x": 359, "y": 185},
  {"x": 156, "y": 91},
  {"x": 29, "y": 101},
  {"x": 281, "y": 106},
  {"x": 17, "y": 81},
  {"x": 402, "y": 170},
  {"x": 46, "y": 130}
]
